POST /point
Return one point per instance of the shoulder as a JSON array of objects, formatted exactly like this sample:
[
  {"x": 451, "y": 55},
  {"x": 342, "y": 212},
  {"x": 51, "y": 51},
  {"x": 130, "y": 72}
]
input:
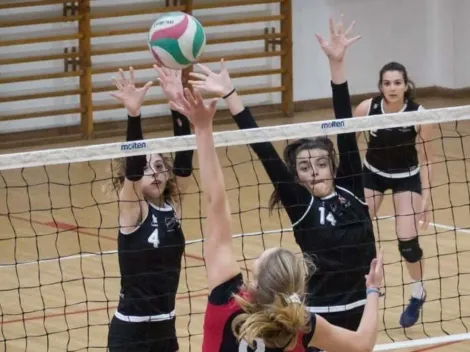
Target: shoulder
[
  {"x": 346, "y": 194},
  {"x": 363, "y": 109},
  {"x": 223, "y": 294},
  {"x": 414, "y": 106}
]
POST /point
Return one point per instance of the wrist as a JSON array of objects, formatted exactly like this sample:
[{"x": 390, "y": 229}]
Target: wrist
[
  {"x": 374, "y": 291},
  {"x": 133, "y": 113},
  {"x": 203, "y": 130},
  {"x": 228, "y": 92}
]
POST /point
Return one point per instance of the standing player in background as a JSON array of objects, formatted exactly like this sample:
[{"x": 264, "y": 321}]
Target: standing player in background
[
  {"x": 268, "y": 314},
  {"x": 150, "y": 240},
  {"x": 325, "y": 202},
  {"x": 400, "y": 159}
]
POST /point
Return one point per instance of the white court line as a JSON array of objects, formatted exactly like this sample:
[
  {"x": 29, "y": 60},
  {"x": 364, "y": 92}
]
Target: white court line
[
  {"x": 249, "y": 234},
  {"x": 439, "y": 226},
  {"x": 422, "y": 342}
]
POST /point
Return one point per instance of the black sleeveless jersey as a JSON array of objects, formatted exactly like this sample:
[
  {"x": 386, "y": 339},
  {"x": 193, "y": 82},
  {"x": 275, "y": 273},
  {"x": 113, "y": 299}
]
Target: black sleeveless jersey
[
  {"x": 336, "y": 232},
  {"x": 392, "y": 150},
  {"x": 150, "y": 264}
]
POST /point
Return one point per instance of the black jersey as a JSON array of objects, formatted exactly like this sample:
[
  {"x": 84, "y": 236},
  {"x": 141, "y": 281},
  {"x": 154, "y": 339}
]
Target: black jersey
[
  {"x": 391, "y": 152},
  {"x": 336, "y": 231},
  {"x": 220, "y": 312},
  {"x": 150, "y": 264}
]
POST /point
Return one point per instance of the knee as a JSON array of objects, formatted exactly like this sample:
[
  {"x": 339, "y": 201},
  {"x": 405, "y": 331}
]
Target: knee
[{"x": 410, "y": 250}]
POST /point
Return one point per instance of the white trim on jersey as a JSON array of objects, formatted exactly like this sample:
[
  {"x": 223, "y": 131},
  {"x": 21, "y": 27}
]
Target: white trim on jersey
[
  {"x": 348, "y": 191},
  {"x": 394, "y": 175},
  {"x": 142, "y": 319},
  {"x": 336, "y": 309},
  {"x": 167, "y": 207},
  {"x": 305, "y": 214}
]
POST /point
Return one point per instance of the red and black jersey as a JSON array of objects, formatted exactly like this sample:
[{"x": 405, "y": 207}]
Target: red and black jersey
[{"x": 220, "y": 312}]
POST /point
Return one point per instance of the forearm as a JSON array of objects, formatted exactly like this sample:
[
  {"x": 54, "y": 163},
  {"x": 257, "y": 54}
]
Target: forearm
[
  {"x": 183, "y": 165},
  {"x": 212, "y": 179},
  {"x": 367, "y": 329},
  {"x": 426, "y": 177},
  {"x": 135, "y": 164},
  {"x": 234, "y": 103},
  {"x": 337, "y": 72}
]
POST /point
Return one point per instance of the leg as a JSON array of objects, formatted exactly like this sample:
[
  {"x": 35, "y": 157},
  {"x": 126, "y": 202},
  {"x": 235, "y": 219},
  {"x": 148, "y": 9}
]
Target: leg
[
  {"x": 407, "y": 207},
  {"x": 374, "y": 201}
]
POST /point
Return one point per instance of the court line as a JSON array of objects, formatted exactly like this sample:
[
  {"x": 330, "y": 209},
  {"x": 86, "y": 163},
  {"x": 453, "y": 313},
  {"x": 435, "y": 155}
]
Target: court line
[
  {"x": 435, "y": 224},
  {"x": 53, "y": 315},
  {"x": 71, "y": 227},
  {"x": 438, "y": 346},
  {"x": 441, "y": 340}
]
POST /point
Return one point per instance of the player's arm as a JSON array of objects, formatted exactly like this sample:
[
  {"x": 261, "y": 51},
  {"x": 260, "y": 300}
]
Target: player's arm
[
  {"x": 132, "y": 206},
  {"x": 426, "y": 157},
  {"x": 362, "y": 110},
  {"x": 349, "y": 173},
  {"x": 332, "y": 338},
  {"x": 221, "y": 264},
  {"x": 294, "y": 197},
  {"x": 171, "y": 85},
  {"x": 183, "y": 164}
]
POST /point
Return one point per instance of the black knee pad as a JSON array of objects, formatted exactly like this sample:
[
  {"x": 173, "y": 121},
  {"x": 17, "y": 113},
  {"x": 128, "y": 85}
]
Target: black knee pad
[{"x": 410, "y": 250}]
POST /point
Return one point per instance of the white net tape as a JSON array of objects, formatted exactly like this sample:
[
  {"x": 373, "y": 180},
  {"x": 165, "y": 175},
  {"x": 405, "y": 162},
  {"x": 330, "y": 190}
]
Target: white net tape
[{"x": 229, "y": 138}]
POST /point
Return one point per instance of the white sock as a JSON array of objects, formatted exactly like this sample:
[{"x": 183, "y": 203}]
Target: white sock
[{"x": 418, "y": 289}]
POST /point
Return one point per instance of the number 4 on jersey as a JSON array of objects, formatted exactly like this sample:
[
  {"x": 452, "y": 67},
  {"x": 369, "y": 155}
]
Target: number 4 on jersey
[
  {"x": 330, "y": 218},
  {"x": 153, "y": 238}
]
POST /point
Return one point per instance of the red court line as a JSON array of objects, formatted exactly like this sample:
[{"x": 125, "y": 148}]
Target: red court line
[
  {"x": 82, "y": 311},
  {"x": 70, "y": 227}
]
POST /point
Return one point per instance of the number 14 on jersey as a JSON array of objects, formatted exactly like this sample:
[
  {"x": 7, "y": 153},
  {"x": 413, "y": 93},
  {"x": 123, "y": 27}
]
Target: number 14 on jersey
[{"x": 330, "y": 218}]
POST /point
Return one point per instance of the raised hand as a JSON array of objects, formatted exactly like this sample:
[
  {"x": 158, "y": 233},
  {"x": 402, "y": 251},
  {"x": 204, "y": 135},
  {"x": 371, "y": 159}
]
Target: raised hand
[
  {"x": 339, "y": 40},
  {"x": 131, "y": 96},
  {"x": 375, "y": 276},
  {"x": 208, "y": 81},
  {"x": 193, "y": 107},
  {"x": 170, "y": 81}
]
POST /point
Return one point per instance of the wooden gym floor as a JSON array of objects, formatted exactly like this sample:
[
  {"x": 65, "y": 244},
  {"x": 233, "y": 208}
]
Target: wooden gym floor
[{"x": 49, "y": 304}]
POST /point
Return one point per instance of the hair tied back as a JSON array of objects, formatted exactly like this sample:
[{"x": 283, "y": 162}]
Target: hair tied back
[{"x": 294, "y": 298}]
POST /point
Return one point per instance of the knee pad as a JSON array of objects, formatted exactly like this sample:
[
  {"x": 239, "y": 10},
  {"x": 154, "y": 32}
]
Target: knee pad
[{"x": 410, "y": 250}]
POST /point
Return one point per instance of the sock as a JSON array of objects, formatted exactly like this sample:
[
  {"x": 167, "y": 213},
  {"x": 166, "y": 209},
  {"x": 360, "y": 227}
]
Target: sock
[{"x": 418, "y": 289}]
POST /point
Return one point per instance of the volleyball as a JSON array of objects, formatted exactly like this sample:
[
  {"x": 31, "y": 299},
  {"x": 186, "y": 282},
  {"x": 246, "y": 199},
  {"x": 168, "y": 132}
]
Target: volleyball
[{"x": 176, "y": 40}]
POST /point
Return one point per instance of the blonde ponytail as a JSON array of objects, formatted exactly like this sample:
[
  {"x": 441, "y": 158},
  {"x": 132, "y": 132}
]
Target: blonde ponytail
[{"x": 274, "y": 311}]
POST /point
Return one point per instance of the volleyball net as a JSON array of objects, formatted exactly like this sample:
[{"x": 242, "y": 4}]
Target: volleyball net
[{"x": 59, "y": 270}]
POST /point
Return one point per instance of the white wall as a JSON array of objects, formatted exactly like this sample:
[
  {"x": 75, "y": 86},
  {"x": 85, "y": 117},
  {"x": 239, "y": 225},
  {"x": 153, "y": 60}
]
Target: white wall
[{"x": 430, "y": 37}]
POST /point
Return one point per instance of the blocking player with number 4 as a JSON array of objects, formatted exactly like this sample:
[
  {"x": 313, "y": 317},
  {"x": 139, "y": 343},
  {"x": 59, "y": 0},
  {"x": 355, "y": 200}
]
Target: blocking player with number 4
[{"x": 150, "y": 240}]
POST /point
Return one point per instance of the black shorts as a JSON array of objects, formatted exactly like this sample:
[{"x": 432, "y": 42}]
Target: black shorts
[
  {"x": 158, "y": 336},
  {"x": 381, "y": 184},
  {"x": 349, "y": 320}
]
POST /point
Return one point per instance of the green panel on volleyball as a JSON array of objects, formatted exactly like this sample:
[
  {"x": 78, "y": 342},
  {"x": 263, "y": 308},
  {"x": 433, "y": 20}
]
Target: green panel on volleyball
[
  {"x": 199, "y": 40},
  {"x": 172, "y": 47}
]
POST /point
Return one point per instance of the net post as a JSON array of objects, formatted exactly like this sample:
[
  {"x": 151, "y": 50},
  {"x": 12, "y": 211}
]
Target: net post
[
  {"x": 286, "y": 58},
  {"x": 86, "y": 85}
]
